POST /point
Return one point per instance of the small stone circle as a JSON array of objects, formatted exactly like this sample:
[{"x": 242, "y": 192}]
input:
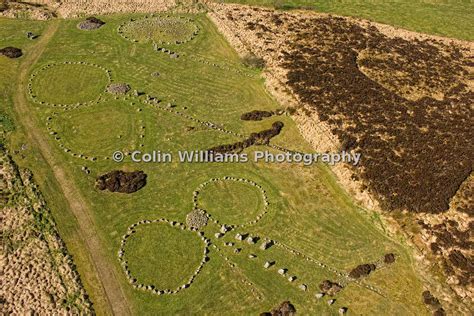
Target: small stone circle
[
  {"x": 227, "y": 178},
  {"x": 150, "y": 287}
]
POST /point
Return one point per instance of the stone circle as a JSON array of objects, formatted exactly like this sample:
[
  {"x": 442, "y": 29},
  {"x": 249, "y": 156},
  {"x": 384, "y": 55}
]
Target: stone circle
[
  {"x": 233, "y": 179},
  {"x": 36, "y": 74},
  {"x": 151, "y": 287}
]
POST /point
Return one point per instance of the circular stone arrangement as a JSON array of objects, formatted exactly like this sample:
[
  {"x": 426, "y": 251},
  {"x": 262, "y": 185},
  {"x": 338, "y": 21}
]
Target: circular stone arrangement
[
  {"x": 69, "y": 88},
  {"x": 75, "y": 152},
  {"x": 151, "y": 287},
  {"x": 159, "y": 29},
  {"x": 197, "y": 192}
]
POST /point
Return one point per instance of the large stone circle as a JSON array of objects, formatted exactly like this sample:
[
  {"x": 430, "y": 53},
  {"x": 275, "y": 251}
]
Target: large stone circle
[
  {"x": 154, "y": 288},
  {"x": 68, "y": 84}
]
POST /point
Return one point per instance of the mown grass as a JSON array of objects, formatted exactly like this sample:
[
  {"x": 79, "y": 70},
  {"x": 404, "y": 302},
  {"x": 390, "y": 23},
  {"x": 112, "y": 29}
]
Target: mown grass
[
  {"x": 445, "y": 18},
  {"x": 68, "y": 84},
  {"x": 174, "y": 255},
  {"x": 308, "y": 209}
]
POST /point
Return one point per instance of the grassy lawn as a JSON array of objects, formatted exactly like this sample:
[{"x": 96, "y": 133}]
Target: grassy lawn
[
  {"x": 308, "y": 210},
  {"x": 445, "y": 18}
]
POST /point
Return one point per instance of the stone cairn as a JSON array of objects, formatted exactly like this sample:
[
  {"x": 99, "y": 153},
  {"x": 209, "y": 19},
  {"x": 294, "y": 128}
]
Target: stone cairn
[{"x": 132, "y": 229}]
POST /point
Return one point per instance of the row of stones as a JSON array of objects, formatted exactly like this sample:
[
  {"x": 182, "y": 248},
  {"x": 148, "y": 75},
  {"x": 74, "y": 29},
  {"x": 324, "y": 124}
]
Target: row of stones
[
  {"x": 220, "y": 66},
  {"x": 159, "y": 49},
  {"x": 153, "y": 101},
  {"x": 344, "y": 277},
  {"x": 227, "y": 178},
  {"x": 150, "y": 287},
  {"x": 257, "y": 294},
  {"x": 281, "y": 271},
  {"x": 121, "y": 27},
  {"x": 35, "y": 74}
]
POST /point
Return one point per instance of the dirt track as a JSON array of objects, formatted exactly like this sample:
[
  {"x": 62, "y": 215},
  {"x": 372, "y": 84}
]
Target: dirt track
[{"x": 104, "y": 269}]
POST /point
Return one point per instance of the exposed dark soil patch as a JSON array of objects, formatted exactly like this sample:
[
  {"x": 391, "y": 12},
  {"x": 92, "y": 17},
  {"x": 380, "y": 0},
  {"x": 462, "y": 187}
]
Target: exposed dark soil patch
[
  {"x": 256, "y": 115},
  {"x": 11, "y": 52},
  {"x": 91, "y": 23},
  {"x": 284, "y": 309},
  {"x": 389, "y": 258},
  {"x": 362, "y": 270},
  {"x": 122, "y": 181},
  {"x": 260, "y": 138},
  {"x": 329, "y": 287}
]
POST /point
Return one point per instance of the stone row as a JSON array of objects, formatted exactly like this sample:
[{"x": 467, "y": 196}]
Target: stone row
[{"x": 153, "y": 101}]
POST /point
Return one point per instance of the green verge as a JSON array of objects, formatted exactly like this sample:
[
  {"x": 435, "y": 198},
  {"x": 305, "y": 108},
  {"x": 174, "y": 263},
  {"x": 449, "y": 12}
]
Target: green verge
[
  {"x": 445, "y": 18},
  {"x": 308, "y": 210}
]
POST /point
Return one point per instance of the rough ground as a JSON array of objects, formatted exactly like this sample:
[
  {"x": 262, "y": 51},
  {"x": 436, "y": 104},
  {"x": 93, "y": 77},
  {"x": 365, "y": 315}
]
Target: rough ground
[
  {"x": 45, "y": 9},
  {"x": 36, "y": 272},
  {"x": 413, "y": 131},
  {"x": 103, "y": 268}
]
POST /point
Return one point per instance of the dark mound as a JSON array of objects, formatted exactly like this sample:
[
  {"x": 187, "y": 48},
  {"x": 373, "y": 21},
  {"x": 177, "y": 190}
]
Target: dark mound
[
  {"x": 362, "y": 270},
  {"x": 91, "y": 23},
  {"x": 284, "y": 309},
  {"x": 122, "y": 181},
  {"x": 11, "y": 52},
  {"x": 260, "y": 138},
  {"x": 429, "y": 299},
  {"x": 330, "y": 287},
  {"x": 255, "y": 115},
  {"x": 389, "y": 258}
]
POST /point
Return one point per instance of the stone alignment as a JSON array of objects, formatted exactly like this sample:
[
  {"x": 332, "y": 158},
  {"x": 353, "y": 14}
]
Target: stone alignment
[{"x": 37, "y": 73}]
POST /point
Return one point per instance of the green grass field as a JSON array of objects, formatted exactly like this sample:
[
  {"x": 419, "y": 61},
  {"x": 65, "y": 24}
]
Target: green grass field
[
  {"x": 445, "y": 18},
  {"x": 308, "y": 210}
]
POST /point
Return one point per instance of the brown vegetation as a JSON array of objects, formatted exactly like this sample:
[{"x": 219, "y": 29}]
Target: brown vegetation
[
  {"x": 37, "y": 275},
  {"x": 284, "y": 309},
  {"x": 91, "y": 23},
  {"x": 362, "y": 270},
  {"x": 255, "y": 115},
  {"x": 413, "y": 157},
  {"x": 122, "y": 181},
  {"x": 329, "y": 287}
]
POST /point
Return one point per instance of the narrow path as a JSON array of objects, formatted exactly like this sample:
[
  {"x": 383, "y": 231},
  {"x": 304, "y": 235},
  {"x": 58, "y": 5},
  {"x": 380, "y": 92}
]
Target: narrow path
[{"x": 104, "y": 269}]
